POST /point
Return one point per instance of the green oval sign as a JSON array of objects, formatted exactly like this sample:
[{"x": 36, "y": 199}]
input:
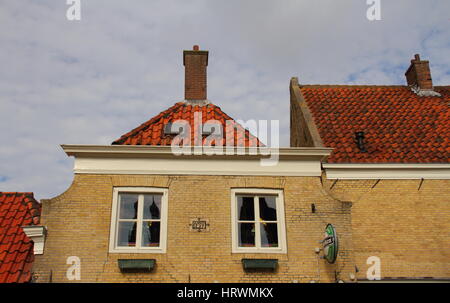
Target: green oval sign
[{"x": 330, "y": 244}]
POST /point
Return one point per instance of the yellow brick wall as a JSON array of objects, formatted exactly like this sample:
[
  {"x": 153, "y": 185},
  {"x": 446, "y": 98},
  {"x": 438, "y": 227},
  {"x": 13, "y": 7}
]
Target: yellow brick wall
[
  {"x": 78, "y": 223},
  {"x": 406, "y": 223}
]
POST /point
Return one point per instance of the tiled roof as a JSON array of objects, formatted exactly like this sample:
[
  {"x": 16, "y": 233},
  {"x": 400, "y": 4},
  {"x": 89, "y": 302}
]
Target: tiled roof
[
  {"x": 399, "y": 126},
  {"x": 16, "y": 249},
  {"x": 152, "y": 131}
]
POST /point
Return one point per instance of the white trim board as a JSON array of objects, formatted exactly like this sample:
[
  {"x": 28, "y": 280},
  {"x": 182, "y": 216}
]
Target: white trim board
[
  {"x": 194, "y": 166},
  {"x": 386, "y": 171},
  {"x": 149, "y": 151},
  {"x": 94, "y": 159}
]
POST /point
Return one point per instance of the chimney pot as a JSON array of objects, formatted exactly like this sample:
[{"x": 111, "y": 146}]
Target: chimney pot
[{"x": 196, "y": 47}]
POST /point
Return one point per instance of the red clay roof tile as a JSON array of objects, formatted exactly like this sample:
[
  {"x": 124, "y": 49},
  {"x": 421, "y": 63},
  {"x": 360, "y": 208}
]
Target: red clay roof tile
[
  {"x": 152, "y": 131},
  {"x": 16, "y": 249},
  {"x": 399, "y": 126}
]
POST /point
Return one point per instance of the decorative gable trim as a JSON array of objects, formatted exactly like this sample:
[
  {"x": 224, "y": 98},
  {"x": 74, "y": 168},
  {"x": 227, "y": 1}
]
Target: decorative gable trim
[{"x": 37, "y": 235}]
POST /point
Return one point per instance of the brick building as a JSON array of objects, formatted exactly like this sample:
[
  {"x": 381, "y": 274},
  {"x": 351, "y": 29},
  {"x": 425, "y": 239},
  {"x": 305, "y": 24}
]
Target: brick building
[
  {"x": 390, "y": 160},
  {"x": 140, "y": 211}
]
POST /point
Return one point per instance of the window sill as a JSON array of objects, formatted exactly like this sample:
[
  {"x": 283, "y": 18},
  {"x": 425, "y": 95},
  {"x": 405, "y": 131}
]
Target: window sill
[
  {"x": 245, "y": 250},
  {"x": 150, "y": 250}
]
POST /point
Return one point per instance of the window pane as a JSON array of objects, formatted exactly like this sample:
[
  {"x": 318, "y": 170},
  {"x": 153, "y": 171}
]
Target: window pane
[
  {"x": 269, "y": 235},
  {"x": 268, "y": 208},
  {"x": 246, "y": 208},
  {"x": 150, "y": 233},
  {"x": 127, "y": 234},
  {"x": 128, "y": 206},
  {"x": 152, "y": 206},
  {"x": 246, "y": 234}
]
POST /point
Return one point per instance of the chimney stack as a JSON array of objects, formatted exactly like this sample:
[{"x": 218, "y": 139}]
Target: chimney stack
[
  {"x": 195, "y": 62},
  {"x": 418, "y": 74}
]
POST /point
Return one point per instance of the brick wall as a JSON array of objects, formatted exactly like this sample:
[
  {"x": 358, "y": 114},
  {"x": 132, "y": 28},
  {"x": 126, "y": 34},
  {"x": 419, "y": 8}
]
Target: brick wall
[
  {"x": 78, "y": 223},
  {"x": 406, "y": 223}
]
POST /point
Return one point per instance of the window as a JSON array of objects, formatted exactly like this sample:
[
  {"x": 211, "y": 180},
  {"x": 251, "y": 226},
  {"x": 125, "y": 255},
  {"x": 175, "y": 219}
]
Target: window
[
  {"x": 258, "y": 221},
  {"x": 139, "y": 220}
]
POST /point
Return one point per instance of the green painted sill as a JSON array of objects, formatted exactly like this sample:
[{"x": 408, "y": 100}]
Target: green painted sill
[
  {"x": 136, "y": 265},
  {"x": 260, "y": 264}
]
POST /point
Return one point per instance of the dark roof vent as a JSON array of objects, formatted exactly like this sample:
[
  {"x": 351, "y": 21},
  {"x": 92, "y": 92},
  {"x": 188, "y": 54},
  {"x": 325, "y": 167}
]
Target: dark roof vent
[
  {"x": 170, "y": 129},
  {"x": 359, "y": 138},
  {"x": 211, "y": 128}
]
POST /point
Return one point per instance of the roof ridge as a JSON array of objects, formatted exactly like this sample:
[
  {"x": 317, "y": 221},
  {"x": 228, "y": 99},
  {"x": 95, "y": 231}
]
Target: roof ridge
[
  {"x": 354, "y": 85},
  {"x": 364, "y": 86}
]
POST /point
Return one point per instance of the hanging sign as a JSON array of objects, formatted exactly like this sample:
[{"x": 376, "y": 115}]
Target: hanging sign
[{"x": 330, "y": 244}]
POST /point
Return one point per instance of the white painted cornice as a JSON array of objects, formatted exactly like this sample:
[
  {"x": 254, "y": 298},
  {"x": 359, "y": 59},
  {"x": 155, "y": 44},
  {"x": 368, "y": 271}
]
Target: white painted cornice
[
  {"x": 37, "y": 234},
  {"x": 149, "y": 151},
  {"x": 131, "y": 159},
  {"x": 387, "y": 170}
]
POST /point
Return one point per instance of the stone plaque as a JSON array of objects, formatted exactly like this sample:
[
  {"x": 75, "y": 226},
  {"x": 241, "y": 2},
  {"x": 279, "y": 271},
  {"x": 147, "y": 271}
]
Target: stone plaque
[{"x": 199, "y": 225}]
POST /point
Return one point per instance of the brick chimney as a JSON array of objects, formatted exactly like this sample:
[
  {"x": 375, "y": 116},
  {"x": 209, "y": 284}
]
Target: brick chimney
[
  {"x": 195, "y": 62},
  {"x": 418, "y": 74}
]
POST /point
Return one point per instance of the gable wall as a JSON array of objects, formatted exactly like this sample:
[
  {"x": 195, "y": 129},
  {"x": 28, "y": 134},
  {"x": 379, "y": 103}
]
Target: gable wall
[{"x": 78, "y": 223}]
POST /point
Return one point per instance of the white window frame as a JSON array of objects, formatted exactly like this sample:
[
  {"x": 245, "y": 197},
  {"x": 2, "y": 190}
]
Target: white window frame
[
  {"x": 282, "y": 246},
  {"x": 113, "y": 248}
]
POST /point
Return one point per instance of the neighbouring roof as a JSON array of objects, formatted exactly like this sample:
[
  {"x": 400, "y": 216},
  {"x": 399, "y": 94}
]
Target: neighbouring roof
[
  {"x": 152, "y": 131},
  {"x": 399, "y": 126},
  {"x": 16, "y": 249}
]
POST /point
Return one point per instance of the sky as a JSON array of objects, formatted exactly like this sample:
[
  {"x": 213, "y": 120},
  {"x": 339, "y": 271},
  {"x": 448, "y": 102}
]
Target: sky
[{"x": 92, "y": 80}]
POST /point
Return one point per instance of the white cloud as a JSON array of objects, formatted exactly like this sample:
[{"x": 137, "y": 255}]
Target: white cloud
[{"x": 93, "y": 80}]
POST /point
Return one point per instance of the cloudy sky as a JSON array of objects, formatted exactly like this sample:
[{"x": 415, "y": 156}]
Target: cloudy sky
[{"x": 90, "y": 81}]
